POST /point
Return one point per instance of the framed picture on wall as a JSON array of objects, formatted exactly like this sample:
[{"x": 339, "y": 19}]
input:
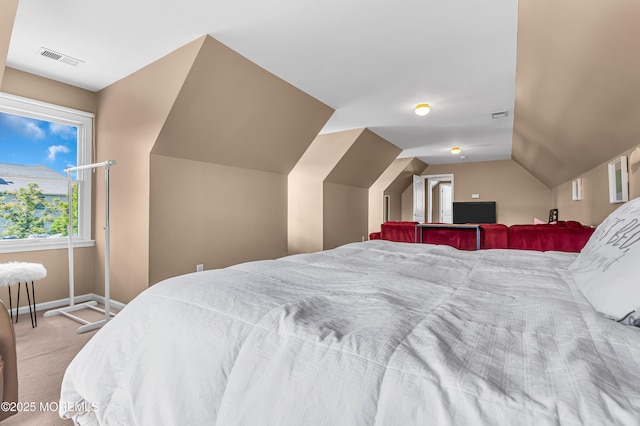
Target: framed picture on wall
[
  {"x": 618, "y": 180},
  {"x": 576, "y": 189}
]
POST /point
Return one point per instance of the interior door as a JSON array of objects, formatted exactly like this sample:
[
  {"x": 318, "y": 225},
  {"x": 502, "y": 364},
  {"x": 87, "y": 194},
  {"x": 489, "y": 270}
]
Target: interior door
[
  {"x": 446, "y": 203},
  {"x": 418, "y": 198}
]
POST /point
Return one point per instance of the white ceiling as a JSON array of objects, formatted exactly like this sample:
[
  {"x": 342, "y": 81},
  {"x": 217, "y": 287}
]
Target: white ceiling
[{"x": 370, "y": 60}]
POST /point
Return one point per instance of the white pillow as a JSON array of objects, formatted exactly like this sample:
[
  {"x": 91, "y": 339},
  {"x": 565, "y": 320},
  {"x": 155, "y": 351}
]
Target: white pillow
[{"x": 607, "y": 270}]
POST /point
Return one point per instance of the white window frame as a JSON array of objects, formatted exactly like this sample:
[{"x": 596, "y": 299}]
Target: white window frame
[{"x": 84, "y": 122}]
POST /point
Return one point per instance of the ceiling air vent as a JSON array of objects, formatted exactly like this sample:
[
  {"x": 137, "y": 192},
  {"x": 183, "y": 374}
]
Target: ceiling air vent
[
  {"x": 499, "y": 114},
  {"x": 48, "y": 53}
]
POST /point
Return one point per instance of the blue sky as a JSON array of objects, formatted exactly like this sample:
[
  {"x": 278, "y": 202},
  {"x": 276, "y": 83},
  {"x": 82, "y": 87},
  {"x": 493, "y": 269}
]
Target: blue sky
[{"x": 30, "y": 142}]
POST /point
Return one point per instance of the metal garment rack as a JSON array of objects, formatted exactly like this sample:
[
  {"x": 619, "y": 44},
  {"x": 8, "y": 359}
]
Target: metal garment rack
[{"x": 65, "y": 311}]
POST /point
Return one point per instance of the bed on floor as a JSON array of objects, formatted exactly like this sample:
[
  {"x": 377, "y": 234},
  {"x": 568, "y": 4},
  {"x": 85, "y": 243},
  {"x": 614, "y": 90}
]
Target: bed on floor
[{"x": 378, "y": 333}]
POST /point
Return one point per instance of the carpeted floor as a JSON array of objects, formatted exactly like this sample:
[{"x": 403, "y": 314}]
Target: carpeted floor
[{"x": 43, "y": 355}]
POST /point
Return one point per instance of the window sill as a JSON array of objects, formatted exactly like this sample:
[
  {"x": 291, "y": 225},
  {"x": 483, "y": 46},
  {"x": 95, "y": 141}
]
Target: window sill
[{"x": 15, "y": 246}]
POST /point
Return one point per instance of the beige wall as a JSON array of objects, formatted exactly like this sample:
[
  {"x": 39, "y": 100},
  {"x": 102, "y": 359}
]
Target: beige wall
[
  {"x": 56, "y": 285},
  {"x": 407, "y": 204},
  {"x": 31, "y": 86},
  {"x": 242, "y": 130},
  {"x": 214, "y": 215},
  {"x": 347, "y": 189},
  {"x": 595, "y": 206},
  {"x": 577, "y": 85},
  {"x": 131, "y": 113},
  {"x": 345, "y": 214},
  {"x": 306, "y": 189},
  {"x": 304, "y": 211},
  {"x": 8, "y": 10},
  {"x": 395, "y": 210},
  {"x": 171, "y": 106},
  {"x": 519, "y": 196},
  {"x": 335, "y": 167},
  {"x": 392, "y": 182},
  {"x": 230, "y": 111},
  {"x": 435, "y": 203}
]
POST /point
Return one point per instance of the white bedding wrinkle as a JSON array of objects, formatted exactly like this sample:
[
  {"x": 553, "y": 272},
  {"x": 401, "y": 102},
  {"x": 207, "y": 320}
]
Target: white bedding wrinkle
[{"x": 372, "y": 333}]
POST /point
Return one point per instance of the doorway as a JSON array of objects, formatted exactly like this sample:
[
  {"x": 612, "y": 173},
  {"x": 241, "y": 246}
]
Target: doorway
[
  {"x": 433, "y": 198},
  {"x": 386, "y": 212}
]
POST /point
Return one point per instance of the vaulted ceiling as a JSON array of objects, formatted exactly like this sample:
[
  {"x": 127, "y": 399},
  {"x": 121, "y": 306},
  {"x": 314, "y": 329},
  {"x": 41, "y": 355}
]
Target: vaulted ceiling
[
  {"x": 565, "y": 71},
  {"x": 577, "y": 85}
]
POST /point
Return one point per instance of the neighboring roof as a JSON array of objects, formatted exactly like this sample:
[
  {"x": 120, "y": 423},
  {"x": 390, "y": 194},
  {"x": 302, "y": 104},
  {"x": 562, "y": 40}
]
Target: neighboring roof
[
  {"x": 16, "y": 176},
  {"x": 48, "y": 187},
  {"x": 37, "y": 171}
]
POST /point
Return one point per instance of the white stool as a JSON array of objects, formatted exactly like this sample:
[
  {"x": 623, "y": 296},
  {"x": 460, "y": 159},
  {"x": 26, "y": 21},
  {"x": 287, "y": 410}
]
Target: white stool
[{"x": 22, "y": 272}]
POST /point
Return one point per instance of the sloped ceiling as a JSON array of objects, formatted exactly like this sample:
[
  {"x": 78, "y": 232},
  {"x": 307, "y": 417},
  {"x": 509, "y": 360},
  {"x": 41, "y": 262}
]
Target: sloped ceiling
[
  {"x": 371, "y": 61},
  {"x": 405, "y": 178},
  {"x": 577, "y": 85},
  {"x": 232, "y": 112},
  {"x": 367, "y": 157},
  {"x": 352, "y": 157}
]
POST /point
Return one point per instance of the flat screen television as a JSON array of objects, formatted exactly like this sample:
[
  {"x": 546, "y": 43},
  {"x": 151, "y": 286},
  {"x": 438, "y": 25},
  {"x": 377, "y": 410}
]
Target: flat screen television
[{"x": 474, "y": 212}]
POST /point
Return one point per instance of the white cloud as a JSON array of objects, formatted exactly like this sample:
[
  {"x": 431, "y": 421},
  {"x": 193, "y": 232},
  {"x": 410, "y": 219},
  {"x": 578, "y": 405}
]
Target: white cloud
[
  {"x": 26, "y": 126},
  {"x": 35, "y": 131},
  {"x": 62, "y": 130},
  {"x": 54, "y": 150}
]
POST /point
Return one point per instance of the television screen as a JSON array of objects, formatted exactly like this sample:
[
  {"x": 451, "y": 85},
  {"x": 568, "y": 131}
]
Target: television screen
[{"x": 474, "y": 212}]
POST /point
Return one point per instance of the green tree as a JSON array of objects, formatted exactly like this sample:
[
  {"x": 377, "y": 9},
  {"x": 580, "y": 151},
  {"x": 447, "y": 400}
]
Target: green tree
[
  {"x": 27, "y": 213},
  {"x": 61, "y": 213}
]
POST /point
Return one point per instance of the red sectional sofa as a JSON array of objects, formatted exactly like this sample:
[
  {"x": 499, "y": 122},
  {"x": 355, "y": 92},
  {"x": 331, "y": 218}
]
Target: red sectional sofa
[{"x": 563, "y": 236}]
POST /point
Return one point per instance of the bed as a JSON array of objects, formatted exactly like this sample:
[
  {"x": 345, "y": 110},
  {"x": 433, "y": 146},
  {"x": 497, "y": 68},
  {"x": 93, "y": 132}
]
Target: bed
[{"x": 370, "y": 333}]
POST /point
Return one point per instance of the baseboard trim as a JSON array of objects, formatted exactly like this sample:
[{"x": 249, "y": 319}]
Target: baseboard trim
[{"x": 45, "y": 306}]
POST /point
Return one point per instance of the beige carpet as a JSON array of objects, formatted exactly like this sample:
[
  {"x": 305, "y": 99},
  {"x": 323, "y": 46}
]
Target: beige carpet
[{"x": 44, "y": 353}]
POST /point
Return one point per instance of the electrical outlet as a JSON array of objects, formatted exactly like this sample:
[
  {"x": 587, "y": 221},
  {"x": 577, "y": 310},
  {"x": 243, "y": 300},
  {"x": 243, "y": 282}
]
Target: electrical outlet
[
  {"x": 199, "y": 267},
  {"x": 475, "y": 195}
]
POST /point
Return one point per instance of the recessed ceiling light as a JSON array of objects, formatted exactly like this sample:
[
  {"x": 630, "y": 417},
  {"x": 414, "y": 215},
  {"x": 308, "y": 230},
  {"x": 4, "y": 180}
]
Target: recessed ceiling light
[
  {"x": 463, "y": 157},
  {"x": 422, "y": 109},
  {"x": 455, "y": 150}
]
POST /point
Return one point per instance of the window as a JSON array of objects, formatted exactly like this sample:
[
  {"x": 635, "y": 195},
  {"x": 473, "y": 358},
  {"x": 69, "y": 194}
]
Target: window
[{"x": 38, "y": 141}]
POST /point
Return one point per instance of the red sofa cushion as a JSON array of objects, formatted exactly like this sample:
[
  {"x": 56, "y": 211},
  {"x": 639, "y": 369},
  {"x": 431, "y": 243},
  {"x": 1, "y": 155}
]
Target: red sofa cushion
[
  {"x": 494, "y": 236},
  {"x": 567, "y": 237},
  {"x": 403, "y": 232}
]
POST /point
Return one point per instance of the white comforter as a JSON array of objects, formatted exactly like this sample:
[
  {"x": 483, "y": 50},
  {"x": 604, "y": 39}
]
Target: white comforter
[{"x": 374, "y": 333}]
